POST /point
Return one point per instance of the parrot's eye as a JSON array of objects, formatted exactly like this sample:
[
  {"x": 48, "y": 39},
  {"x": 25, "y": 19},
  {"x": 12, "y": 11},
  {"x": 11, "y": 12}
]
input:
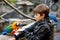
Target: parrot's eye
[{"x": 18, "y": 24}]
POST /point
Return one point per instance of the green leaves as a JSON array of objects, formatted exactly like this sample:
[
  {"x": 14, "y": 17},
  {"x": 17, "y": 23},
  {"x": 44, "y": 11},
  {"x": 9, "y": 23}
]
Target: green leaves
[
  {"x": 0, "y": 0},
  {"x": 12, "y": 1}
]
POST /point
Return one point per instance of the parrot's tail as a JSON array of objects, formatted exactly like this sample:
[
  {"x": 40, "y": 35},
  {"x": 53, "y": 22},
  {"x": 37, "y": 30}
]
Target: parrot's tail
[
  {"x": 57, "y": 24},
  {"x": 4, "y": 33}
]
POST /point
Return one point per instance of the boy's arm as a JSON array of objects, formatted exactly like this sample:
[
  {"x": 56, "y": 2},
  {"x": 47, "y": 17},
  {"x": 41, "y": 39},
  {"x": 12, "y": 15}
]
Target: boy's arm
[{"x": 27, "y": 31}]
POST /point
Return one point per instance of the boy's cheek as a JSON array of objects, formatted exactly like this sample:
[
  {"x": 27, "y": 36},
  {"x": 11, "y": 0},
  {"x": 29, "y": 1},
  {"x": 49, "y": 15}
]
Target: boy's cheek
[{"x": 34, "y": 16}]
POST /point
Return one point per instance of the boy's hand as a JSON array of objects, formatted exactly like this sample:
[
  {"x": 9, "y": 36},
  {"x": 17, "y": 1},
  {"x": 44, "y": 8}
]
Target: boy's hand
[{"x": 19, "y": 31}]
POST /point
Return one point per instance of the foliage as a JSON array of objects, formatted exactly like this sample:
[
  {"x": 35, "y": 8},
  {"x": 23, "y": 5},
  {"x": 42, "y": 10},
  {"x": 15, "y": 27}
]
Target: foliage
[
  {"x": 0, "y": 0},
  {"x": 12, "y": 1}
]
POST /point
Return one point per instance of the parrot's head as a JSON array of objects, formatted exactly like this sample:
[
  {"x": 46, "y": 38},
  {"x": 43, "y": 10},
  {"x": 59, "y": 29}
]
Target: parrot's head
[{"x": 18, "y": 24}]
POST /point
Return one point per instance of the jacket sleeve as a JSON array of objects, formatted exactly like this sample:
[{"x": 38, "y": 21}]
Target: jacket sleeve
[
  {"x": 30, "y": 29},
  {"x": 25, "y": 33}
]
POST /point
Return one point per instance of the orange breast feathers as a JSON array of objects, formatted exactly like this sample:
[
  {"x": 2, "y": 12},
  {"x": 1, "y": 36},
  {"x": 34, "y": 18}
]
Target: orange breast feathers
[{"x": 14, "y": 26}]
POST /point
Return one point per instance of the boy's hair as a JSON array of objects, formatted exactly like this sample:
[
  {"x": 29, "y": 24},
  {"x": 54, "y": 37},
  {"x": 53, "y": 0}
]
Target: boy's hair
[{"x": 42, "y": 8}]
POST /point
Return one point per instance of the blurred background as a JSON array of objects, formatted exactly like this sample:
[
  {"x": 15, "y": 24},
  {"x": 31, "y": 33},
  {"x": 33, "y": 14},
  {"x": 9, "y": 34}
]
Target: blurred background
[{"x": 27, "y": 6}]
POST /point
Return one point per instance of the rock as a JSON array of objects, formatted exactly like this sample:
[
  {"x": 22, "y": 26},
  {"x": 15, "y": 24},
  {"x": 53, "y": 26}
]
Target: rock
[{"x": 4, "y": 37}]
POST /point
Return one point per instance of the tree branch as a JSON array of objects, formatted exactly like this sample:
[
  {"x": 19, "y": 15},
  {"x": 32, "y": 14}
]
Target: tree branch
[{"x": 18, "y": 11}]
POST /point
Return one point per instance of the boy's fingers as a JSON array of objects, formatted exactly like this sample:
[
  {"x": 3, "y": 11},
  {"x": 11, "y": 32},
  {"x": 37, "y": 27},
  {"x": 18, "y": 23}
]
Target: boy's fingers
[{"x": 19, "y": 30}]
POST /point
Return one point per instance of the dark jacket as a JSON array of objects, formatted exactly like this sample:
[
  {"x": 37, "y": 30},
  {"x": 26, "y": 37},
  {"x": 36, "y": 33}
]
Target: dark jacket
[{"x": 41, "y": 30}]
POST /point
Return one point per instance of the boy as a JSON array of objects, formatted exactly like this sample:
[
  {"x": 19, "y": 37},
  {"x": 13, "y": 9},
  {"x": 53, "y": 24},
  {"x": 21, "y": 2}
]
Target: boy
[{"x": 41, "y": 30}]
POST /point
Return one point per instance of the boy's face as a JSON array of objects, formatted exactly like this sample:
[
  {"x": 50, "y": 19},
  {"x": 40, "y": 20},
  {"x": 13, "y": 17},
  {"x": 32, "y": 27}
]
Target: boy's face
[{"x": 39, "y": 17}]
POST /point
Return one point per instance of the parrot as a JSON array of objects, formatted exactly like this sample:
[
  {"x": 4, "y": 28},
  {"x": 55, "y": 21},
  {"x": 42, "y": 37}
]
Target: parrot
[
  {"x": 10, "y": 29},
  {"x": 53, "y": 17}
]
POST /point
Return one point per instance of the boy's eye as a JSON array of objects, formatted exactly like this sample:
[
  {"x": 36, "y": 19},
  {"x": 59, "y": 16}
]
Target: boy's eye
[{"x": 36, "y": 14}]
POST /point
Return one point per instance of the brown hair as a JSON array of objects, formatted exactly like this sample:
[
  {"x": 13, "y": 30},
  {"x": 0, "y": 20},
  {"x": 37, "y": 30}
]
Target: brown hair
[{"x": 42, "y": 8}]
